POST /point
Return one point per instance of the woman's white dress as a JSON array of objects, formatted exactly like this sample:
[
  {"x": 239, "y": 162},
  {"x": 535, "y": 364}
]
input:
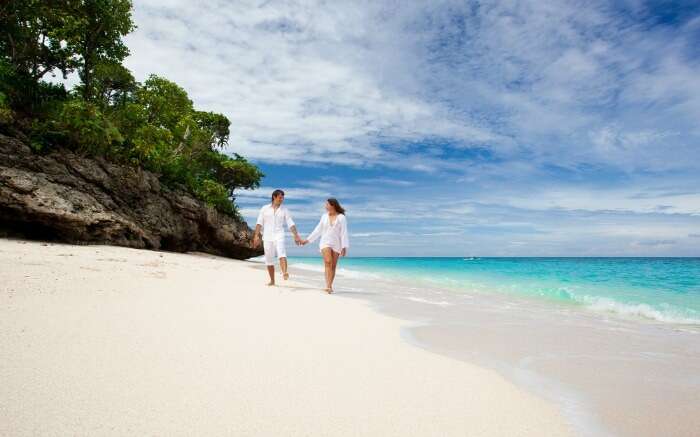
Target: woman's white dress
[{"x": 333, "y": 235}]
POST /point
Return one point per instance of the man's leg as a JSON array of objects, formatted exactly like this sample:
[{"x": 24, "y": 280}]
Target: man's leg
[
  {"x": 283, "y": 266},
  {"x": 269, "y": 248},
  {"x": 271, "y": 272},
  {"x": 282, "y": 255}
]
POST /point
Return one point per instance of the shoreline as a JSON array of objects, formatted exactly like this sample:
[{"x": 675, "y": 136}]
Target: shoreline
[
  {"x": 639, "y": 311},
  {"x": 607, "y": 373},
  {"x": 112, "y": 341}
]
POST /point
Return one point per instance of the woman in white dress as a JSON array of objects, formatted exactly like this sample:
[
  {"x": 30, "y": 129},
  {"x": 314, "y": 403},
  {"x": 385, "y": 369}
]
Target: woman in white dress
[{"x": 333, "y": 230}]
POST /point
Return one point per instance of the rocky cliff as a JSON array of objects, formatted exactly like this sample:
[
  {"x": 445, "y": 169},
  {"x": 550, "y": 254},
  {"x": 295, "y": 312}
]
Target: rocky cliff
[{"x": 66, "y": 197}]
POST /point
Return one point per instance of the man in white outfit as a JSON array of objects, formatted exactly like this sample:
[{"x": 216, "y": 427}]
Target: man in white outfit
[{"x": 271, "y": 220}]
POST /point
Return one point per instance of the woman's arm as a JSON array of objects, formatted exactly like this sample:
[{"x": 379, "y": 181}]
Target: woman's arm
[
  {"x": 316, "y": 232},
  {"x": 344, "y": 238}
]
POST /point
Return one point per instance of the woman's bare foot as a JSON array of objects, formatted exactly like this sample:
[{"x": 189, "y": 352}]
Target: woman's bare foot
[
  {"x": 286, "y": 276},
  {"x": 271, "y": 283},
  {"x": 328, "y": 290}
]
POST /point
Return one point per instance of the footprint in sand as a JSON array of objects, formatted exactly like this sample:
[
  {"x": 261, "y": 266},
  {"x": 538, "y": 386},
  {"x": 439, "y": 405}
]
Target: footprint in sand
[
  {"x": 151, "y": 264},
  {"x": 121, "y": 260}
]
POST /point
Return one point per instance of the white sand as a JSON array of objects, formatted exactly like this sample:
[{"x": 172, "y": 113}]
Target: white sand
[{"x": 98, "y": 340}]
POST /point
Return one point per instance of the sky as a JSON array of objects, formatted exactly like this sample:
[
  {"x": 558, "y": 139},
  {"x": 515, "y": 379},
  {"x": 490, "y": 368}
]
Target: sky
[{"x": 454, "y": 128}]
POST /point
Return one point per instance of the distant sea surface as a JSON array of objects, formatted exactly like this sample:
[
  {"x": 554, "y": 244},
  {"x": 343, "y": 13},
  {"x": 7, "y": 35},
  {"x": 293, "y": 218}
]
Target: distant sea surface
[{"x": 661, "y": 289}]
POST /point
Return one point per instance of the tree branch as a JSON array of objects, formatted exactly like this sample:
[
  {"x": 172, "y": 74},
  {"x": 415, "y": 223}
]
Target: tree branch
[{"x": 12, "y": 45}]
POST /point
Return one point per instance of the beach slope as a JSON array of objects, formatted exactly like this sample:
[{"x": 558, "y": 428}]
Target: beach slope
[{"x": 98, "y": 340}]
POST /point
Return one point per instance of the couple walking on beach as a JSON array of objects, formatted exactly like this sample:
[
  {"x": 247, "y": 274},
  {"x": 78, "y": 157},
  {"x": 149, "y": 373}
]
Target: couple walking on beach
[{"x": 332, "y": 229}]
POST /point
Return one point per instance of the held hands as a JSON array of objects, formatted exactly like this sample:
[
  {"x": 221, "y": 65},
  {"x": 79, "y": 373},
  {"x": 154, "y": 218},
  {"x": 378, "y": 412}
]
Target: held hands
[
  {"x": 256, "y": 241},
  {"x": 344, "y": 251},
  {"x": 300, "y": 241}
]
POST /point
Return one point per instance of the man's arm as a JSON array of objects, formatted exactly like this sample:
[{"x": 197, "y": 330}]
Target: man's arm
[
  {"x": 258, "y": 227},
  {"x": 297, "y": 238},
  {"x": 292, "y": 226},
  {"x": 256, "y": 236}
]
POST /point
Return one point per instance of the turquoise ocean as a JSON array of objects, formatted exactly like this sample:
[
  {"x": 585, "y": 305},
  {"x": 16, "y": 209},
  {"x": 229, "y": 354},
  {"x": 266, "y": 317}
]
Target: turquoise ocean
[{"x": 661, "y": 289}]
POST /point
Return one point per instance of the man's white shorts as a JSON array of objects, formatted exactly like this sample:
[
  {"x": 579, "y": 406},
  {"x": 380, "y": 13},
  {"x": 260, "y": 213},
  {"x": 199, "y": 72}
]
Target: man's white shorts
[{"x": 274, "y": 248}]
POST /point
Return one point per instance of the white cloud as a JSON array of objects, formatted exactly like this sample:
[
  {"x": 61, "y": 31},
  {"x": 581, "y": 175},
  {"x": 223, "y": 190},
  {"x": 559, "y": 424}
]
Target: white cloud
[
  {"x": 294, "y": 193},
  {"x": 316, "y": 82},
  {"x": 295, "y": 78},
  {"x": 543, "y": 127},
  {"x": 612, "y": 199},
  {"x": 386, "y": 181}
]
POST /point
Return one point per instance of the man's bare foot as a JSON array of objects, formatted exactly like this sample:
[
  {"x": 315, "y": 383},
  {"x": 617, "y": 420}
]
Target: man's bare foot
[
  {"x": 271, "y": 283},
  {"x": 286, "y": 276},
  {"x": 328, "y": 290}
]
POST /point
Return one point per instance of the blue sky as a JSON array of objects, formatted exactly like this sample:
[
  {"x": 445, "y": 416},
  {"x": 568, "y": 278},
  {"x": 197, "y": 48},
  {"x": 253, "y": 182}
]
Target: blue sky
[{"x": 454, "y": 127}]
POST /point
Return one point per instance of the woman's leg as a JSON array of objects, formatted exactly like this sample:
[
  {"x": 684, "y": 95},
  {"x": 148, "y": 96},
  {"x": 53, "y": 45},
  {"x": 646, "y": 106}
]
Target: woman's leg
[
  {"x": 336, "y": 257},
  {"x": 327, "y": 254}
]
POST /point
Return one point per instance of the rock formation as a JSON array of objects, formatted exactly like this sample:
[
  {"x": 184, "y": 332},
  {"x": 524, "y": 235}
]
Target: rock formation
[{"x": 66, "y": 197}]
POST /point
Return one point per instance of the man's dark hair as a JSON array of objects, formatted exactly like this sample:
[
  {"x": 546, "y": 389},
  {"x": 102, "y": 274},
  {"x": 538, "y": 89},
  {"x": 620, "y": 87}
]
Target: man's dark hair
[{"x": 277, "y": 193}]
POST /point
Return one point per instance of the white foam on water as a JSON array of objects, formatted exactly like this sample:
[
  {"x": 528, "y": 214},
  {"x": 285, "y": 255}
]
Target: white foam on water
[
  {"x": 603, "y": 304},
  {"x": 356, "y": 274},
  {"x": 429, "y": 302},
  {"x": 309, "y": 267}
]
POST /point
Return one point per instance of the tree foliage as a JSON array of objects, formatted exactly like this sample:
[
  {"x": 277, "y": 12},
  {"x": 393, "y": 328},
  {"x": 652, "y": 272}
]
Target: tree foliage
[
  {"x": 153, "y": 125},
  {"x": 94, "y": 32},
  {"x": 34, "y": 36}
]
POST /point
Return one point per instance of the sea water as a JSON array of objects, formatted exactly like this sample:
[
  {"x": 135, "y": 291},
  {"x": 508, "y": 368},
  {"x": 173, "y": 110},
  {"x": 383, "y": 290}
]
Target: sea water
[{"x": 661, "y": 289}]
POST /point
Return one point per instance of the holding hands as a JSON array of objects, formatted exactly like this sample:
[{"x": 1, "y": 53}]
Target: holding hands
[{"x": 300, "y": 241}]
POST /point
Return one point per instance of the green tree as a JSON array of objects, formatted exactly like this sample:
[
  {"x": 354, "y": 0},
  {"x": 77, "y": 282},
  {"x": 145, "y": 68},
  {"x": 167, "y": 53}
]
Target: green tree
[
  {"x": 93, "y": 30},
  {"x": 33, "y": 33},
  {"x": 165, "y": 102},
  {"x": 216, "y": 127},
  {"x": 31, "y": 46},
  {"x": 113, "y": 84}
]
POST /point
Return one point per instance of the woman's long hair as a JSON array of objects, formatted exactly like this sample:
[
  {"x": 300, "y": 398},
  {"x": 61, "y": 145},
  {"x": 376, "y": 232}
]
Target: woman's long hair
[{"x": 336, "y": 205}]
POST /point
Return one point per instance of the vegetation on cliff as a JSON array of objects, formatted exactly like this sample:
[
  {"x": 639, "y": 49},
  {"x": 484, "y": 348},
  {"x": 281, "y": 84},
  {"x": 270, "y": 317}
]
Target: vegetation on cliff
[{"x": 152, "y": 125}]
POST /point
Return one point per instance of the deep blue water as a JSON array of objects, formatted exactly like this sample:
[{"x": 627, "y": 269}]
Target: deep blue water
[{"x": 663, "y": 289}]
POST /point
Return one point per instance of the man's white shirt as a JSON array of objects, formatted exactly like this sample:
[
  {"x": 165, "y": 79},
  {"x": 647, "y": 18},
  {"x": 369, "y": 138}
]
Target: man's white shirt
[{"x": 273, "y": 220}]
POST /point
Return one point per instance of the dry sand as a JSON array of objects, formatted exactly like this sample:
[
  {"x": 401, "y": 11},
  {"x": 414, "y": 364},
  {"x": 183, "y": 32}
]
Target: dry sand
[{"x": 98, "y": 340}]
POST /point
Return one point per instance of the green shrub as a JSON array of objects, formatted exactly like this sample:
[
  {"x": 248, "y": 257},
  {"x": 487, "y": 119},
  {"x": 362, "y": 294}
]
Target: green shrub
[
  {"x": 215, "y": 195},
  {"x": 150, "y": 147},
  {"x": 26, "y": 96},
  {"x": 6, "y": 115},
  {"x": 86, "y": 129}
]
